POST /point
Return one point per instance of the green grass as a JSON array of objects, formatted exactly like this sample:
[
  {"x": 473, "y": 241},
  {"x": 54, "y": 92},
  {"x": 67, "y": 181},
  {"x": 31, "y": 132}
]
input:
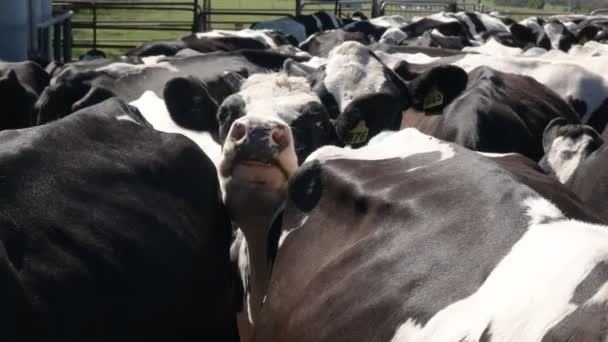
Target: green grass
[{"x": 132, "y": 37}]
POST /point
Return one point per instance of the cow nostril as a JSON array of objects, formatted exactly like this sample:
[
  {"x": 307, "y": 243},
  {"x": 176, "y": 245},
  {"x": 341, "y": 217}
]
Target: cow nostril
[
  {"x": 238, "y": 131},
  {"x": 279, "y": 137}
]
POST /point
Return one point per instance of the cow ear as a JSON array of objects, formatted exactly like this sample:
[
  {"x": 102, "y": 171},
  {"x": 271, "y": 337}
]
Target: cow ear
[
  {"x": 190, "y": 104},
  {"x": 596, "y": 138},
  {"x": 436, "y": 88},
  {"x": 95, "y": 95},
  {"x": 552, "y": 131},
  {"x": 586, "y": 34},
  {"x": 234, "y": 80},
  {"x": 293, "y": 68}
]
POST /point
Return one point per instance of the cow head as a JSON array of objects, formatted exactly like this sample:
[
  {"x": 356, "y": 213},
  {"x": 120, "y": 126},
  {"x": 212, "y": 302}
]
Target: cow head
[
  {"x": 68, "y": 92},
  {"x": 268, "y": 126},
  {"x": 566, "y": 147}
]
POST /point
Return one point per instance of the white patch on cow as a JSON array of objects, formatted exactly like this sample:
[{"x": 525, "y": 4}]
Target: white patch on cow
[
  {"x": 290, "y": 230},
  {"x": 123, "y": 69},
  {"x": 311, "y": 37},
  {"x": 492, "y": 23},
  {"x": 407, "y": 331},
  {"x": 352, "y": 72},
  {"x": 276, "y": 93},
  {"x": 564, "y": 168},
  {"x": 155, "y": 111},
  {"x": 393, "y": 21},
  {"x": 400, "y": 144},
  {"x": 316, "y": 62},
  {"x": 126, "y": 118},
  {"x": 534, "y": 52},
  {"x": 391, "y": 59},
  {"x": 493, "y": 48},
  {"x": 259, "y": 35},
  {"x": 530, "y": 290},
  {"x": 152, "y": 60},
  {"x": 393, "y": 36},
  {"x": 495, "y": 155}
]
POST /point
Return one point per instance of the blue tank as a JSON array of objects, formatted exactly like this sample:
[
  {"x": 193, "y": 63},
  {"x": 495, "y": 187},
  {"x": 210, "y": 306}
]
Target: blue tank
[
  {"x": 14, "y": 27},
  {"x": 19, "y": 20}
]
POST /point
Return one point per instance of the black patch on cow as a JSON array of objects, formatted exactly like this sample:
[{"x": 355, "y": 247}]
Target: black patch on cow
[
  {"x": 586, "y": 323},
  {"x": 579, "y": 106},
  {"x": 479, "y": 26},
  {"x": 190, "y": 104},
  {"x": 213, "y": 44},
  {"x": 325, "y": 19},
  {"x": 93, "y": 96},
  {"x": 305, "y": 187},
  {"x": 486, "y": 336},
  {"x": 274, "y": 235},
  {"x": 157, "y": 48},
  {"x": 591, "y": 284}
]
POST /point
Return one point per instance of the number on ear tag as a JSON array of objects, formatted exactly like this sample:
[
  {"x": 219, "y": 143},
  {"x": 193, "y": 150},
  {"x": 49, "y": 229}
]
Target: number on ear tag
[
  {"x": 357, "y": 135},
  {"x": 433, "y": 100}
]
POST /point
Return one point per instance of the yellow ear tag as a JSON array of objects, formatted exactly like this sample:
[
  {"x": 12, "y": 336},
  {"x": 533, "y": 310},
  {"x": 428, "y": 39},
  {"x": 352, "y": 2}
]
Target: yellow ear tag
[
  {"x": 357, "y": 135},
  {"x": 433, "y": 100}
]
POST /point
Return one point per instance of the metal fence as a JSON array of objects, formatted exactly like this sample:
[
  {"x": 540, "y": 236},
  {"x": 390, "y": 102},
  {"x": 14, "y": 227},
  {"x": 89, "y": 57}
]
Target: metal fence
[
  {"x": 92, "y": 22},
  {"x": 410, "y": 8}
]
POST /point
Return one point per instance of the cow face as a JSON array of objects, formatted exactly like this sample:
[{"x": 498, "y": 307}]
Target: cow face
[
  {"x": 270, "y": 124},
  {"x": 566, "y": 147}
]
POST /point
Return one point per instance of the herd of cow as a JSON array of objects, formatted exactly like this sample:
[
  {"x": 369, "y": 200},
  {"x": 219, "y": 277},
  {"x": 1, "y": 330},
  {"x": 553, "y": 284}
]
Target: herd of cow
[{"x": 443, "y": 178}]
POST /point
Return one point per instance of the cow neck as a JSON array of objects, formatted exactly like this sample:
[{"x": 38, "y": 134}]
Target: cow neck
[{"x": 256, "y": 231}]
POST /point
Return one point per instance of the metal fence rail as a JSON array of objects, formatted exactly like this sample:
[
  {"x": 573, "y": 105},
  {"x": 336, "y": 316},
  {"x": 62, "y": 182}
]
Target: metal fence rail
[
  {"x": 410, "y": 8},
  {"x": 95, "y": 24}
]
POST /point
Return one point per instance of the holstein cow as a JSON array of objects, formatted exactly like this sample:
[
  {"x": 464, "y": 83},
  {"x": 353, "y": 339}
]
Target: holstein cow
[
  {"x": 216, "y": 40},
  {"x": 112, "y": 231},
  {"x": 302, "y": 26},
  {"x": 497, "y": 112},
  {"x": 271, "y": 124},
  {"x": 416, "y": 239},
  {"x": 577, "y": 156},
  {"x": 75, "y": 89},
  {"x": 585, "y": 88}
]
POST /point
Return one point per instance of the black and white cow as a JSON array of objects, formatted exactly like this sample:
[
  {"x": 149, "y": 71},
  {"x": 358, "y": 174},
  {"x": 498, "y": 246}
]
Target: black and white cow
[
  {"x": 271, "y": 124},
  {"x": 497, "y": 112},
  {"x": 112, "y": 231},
  {"x": 321, "y": 43},
  {"x": 416, "y": 239},
  {"x": 81, "y": 86},
  {"x": 302, "y": 26}
]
